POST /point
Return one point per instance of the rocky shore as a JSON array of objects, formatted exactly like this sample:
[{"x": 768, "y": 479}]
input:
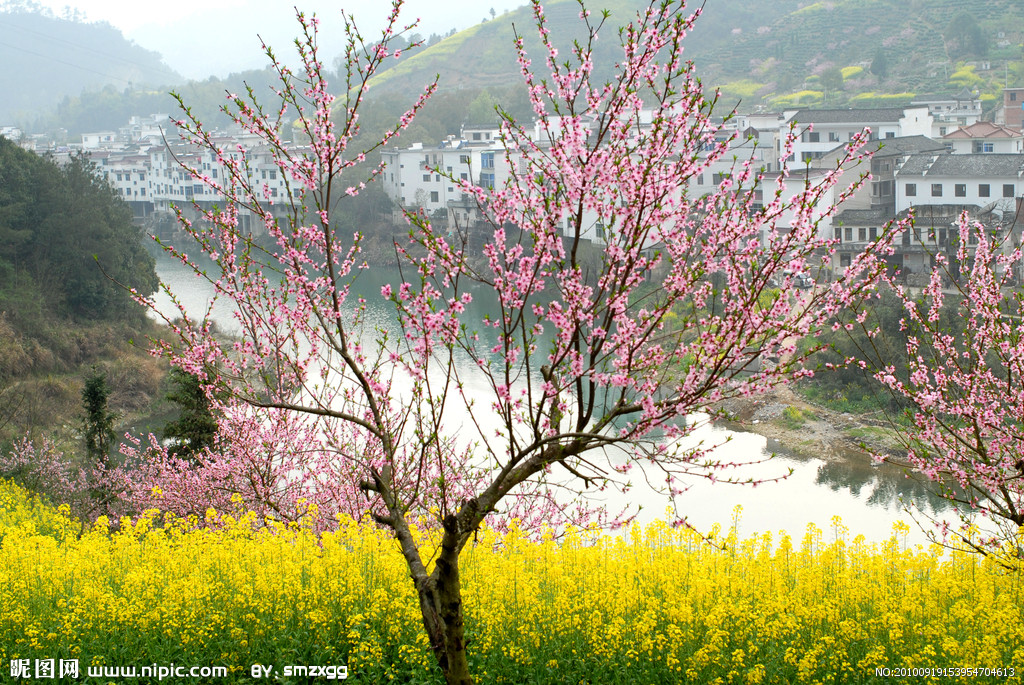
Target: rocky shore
[{"x": 796, "y": 426}]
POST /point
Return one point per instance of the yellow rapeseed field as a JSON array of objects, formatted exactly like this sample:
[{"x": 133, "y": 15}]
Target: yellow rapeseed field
[{"x": 656, "y": 605}]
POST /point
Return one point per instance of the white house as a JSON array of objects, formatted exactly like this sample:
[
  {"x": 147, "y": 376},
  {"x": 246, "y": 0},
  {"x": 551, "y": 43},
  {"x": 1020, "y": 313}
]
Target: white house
[
  {"x": 950, "y": 112},
  {"x": 415, "y": 177},
  {"x": 985, "y": 137},
  {"x": 989, "y": 181},
  {"x": 821, "y": 130}
]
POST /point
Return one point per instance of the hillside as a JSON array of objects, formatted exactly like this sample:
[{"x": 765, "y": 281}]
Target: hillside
[
  {"x": 880, "y": 47},
  {"x": 766, "y": 53},
  {"x": 46, "y": 58},
  {"x": 483, "y": 55},
  {"x": 59, "y": 313}
]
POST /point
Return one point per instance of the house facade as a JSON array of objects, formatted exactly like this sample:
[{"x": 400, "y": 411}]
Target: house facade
[
  {"x": 985, "y": 137},
  {"x": 990, "y": 182},
  {"x": 950, "y": 112},
  {"x": 820, "y": 131}
]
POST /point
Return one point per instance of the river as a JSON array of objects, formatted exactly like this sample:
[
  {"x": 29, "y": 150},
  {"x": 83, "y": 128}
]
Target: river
[{"x": 866, "y": 497}]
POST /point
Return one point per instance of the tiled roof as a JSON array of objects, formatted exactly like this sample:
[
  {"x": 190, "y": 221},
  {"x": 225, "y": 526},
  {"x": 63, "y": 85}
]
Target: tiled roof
[
  {"x": 893, "y": 147},
  {"x": 979, "y": 165},
  {"x": 853, "y": 116},
  {"x": 983, "y": 129},
  {"x": 855, "y": 217}
]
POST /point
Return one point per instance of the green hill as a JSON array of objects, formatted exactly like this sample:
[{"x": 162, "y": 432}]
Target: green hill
[{"x": 769, "y": 53}]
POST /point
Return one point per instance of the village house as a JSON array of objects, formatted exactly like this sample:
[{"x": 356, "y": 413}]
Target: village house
[
  {"x": 985, "y": 137},
  {"x": 950, "y": 112},
  {"x": 821, "y": 130}
]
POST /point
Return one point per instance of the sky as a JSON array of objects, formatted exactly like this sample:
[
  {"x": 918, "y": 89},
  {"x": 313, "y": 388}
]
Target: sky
[{"x": 217, "y": 37}]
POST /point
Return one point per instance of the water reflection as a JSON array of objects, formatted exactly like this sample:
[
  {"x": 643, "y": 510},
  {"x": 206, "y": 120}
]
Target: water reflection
[{"x": 867, "y": 497}]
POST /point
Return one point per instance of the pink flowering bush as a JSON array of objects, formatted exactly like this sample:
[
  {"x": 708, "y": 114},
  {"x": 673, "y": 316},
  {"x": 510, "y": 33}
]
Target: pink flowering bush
[
  {"x": 586, "y": 375},
  {"x": 963, "y": 386}
]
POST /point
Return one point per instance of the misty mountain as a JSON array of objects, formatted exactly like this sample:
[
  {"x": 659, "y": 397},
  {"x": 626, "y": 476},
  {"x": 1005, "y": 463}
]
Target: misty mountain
[{"x": 46, "y": 58}]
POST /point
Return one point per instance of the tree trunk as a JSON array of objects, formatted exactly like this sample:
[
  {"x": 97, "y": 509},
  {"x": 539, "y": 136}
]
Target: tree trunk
[{"x": 441, "y": 604}]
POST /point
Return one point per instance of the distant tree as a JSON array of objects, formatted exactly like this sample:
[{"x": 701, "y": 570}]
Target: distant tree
[
  {"x": 493, "y": 13},
  {"x": 880, "y": 64},
  {"x": 832, "y": 80},
  {"x": 55, "y": 224},
  {"x": 195, "y": 429},
  {"x": 964, "y": 37},
  {"x": 98, "y": 422},
  {"x": 482, "y": 110}
]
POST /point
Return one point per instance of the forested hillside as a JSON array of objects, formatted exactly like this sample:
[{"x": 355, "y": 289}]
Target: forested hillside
[{"x": 58, "y": 311}]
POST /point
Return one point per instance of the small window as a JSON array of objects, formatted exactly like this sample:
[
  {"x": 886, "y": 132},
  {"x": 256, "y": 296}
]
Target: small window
[
  {"x": 873, "y": 232},
  {"x": 833, "y": 137},
  {"x": 1007, "y": 190},
  {"x": 463, "y": 159},
  {"x": 814, "y": 137},
  {"x": 960, "y": 190},
  {"x": 984, "y": 190},
  {"x": 862, "y": 234},
  {"x": 849, "y": 234},
  {"x": 911, "y": 190},
  {"x": 433, "y": 196},
  {"x": 426, "y": 177},
  {"x": 890, "y": 134},
  {"x": 936, "y": 190}
]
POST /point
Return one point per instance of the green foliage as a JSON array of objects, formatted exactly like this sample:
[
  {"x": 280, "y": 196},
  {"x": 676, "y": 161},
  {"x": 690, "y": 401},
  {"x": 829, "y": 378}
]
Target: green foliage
[
  {"x": 793, "y": 418},
  {"x": 832, "y": 79},
  {"x": 964, "y": 38},
  {"x": 196, "y": 426},
  {"x": 880, "y": 64},
  {"x": 56, "y": 224},
  {"x": 849, "y": 388},
  {"x": 482, "y": 110},
  {"x": 98, "y": 422}
]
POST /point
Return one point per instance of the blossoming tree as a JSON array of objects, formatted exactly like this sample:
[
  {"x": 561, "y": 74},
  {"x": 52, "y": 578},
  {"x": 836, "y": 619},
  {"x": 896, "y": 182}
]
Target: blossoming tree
[
  {"x": 591, "y": 365},
  {"x": 963, "y": 387}
]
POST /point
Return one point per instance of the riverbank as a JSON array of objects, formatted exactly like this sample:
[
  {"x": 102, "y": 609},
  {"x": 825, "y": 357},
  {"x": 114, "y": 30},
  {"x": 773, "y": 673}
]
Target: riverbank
[{"x": 809, "y": 430}]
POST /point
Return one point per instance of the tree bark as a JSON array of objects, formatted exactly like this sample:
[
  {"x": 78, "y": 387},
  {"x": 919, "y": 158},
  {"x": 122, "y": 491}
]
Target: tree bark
[{"x": 441, "y": 605}]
